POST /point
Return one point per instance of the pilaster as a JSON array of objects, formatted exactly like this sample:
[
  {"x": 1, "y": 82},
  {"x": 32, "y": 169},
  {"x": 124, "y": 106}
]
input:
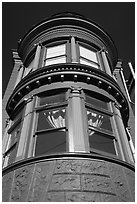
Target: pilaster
[
  {"x": 77, "y": 126},
  {"x": 37, "y": 56}
]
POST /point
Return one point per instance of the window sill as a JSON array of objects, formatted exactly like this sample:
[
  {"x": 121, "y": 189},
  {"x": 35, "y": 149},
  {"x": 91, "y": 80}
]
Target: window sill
[{"x": 69, "y": 155}]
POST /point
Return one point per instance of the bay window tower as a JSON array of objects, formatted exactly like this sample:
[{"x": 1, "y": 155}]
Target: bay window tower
[{"x": 66, "y": 135}]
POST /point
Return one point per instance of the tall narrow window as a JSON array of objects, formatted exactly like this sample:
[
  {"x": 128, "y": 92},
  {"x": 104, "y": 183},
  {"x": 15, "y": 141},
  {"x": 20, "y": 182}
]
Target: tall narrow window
[
  {"x": 101, "y": 137},
  {"x": 88, "y": 57},
  {"x": 50, "y": 135},
  {"x": 11, "y": 150},
  {"x": 55, "y": 54}
]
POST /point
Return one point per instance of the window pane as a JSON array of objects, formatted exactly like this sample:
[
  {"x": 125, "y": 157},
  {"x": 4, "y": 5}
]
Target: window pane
[
  {"x": 88, "y": 54},
  {"x": 98, "y": 120},
  {"x": 86, "y": 62},
  {"x": 56, "y": 51},
  {"x": 51, "y": 142},
  {"x": 100, "y": 142},
  {"x": 52, "y": 99},
  {"x": 96, "y": 102},
  {"x": 57, "y": 60},
  {"x": 49, "y": 119},
  {"x": 15, "y": 134}
]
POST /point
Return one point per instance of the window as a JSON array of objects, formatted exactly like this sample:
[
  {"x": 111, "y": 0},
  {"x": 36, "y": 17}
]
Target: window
[
  {"x": 50, "y": 135},
  {"x": 55, "y": 54},
  {"x": 88, "y": 57},
  {"x": 101, "y": 137},
  {"x": 11, "y": 150}
]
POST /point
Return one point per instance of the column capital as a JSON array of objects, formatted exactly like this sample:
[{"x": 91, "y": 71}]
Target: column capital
[
  {"x": 27, "y": 100},
  {"x": 7, "y": 122},
  {"x": 118, "y": 106},
  {"x": 39, "y": 43},
  {"x": 21, "y": 66},
  {"x": 77, "y": 90},
  {"x": 103, "y": 50},
  {"x": 119, "y": 65}
]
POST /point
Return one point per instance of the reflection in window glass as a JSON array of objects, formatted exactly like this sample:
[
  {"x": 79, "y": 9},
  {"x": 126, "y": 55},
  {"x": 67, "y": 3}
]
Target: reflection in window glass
[
  {"x": 57, "y": 60},
  {"x": 49, "y": 119},
  {"x": 50, "y": 142},
  {"x": 52, "y": 99},
  {"x": 56, "y": 51},
  {"x": 99, "y": 142},
  {"x": 83, "y": 61},
  {"x": 98, "y": 120},
  {"x": 96, "y": 102},
  {"x": 88, "y": 54}
]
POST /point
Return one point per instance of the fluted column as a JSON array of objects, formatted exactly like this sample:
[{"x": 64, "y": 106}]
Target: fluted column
[
  {"x": 122, "y": 134},
  {"x": 105, "y": 62},
  {"x": 20, "y": 73},
  {"x": 73, "y": 50},
  {"x": 77, "y": 124},
  {"x": 25, "y": 130},
  {"x": 37, "y": 56}
]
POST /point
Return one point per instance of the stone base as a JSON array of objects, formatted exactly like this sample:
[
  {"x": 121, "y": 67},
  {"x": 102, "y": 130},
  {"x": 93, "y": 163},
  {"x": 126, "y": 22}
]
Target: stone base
[{"x": 69, "y": 179}]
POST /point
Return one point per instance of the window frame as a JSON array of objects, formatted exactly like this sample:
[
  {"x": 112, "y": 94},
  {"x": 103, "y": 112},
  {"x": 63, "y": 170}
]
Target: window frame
[
  {"x": 9, "y": 147},
  {"x": 39, "y": 108},
  {"x": 90, "y": 48},
  {"x": 105, "y": 133},
  {"x": 57, "y": 43}
]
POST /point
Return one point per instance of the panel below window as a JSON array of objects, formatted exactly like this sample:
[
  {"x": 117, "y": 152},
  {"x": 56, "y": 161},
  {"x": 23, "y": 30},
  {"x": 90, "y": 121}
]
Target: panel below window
[
  {"x": 101, "y": 142},
  {"x": 50, "y": 142}
]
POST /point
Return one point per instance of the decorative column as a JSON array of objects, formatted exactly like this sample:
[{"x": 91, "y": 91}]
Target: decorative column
[
  {"x": 73, "y": 50},
  {"x": 25, "y": 130},
  {"x": 77, "y": 123},
  {"x": 122, "y": 134},
  {"x": 5, "y": 141},
  {"x": 37, "y": 56},
  {"x": 6, "y": 135},
  {"x": 105, "y": 62},
  {"x": 20, "y": 73}
]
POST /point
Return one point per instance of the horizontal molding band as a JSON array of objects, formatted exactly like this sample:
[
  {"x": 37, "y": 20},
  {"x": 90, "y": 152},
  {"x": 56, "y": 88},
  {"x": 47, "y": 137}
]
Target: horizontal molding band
[
  {"x": 33, "y": 160},
  {"x": 67, "y": 72}
]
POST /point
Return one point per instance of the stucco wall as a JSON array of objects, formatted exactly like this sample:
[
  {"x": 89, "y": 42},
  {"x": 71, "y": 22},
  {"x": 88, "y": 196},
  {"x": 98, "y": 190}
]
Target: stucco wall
[{"x": 87, "y": 180}]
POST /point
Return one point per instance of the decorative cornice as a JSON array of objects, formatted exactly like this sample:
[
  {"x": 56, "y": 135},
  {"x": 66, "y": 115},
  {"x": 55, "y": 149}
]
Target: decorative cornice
[
  {"x": 67, "y": 72},
  {"x": 71, "y": 22}
]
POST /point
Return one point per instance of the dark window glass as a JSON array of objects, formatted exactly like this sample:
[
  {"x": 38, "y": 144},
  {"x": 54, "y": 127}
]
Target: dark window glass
[
  {"x": 51, "y": 132},
  {"x": 50, "y": 142},
  {"x": 13, "y": 146},
  {"x": 52, "y": 99},
  {"x": 100, "y": 142},
  {"x": 96, "y": 102},
  {"x": 48, "y": 119},
  {"x": 98, "y": 120}
]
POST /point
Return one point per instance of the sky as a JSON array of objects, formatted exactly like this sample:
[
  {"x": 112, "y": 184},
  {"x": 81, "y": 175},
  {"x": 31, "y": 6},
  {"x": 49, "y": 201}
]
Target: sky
[{"x": 117, "y": 19}]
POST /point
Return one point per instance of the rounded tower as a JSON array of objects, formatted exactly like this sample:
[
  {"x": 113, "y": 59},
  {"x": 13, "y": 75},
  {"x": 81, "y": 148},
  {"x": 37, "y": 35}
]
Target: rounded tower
[{"x": 66, "y": 137}]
